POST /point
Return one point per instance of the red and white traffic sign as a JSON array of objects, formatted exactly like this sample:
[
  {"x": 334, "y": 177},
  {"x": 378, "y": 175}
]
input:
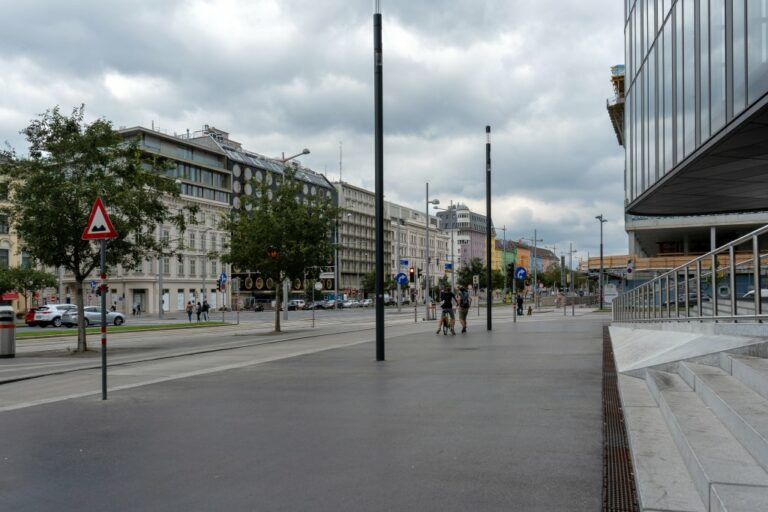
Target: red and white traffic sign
[{"x": 99, "y": 226}]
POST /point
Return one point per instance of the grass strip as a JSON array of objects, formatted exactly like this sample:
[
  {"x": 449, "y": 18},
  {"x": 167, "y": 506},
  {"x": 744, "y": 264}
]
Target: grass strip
[{"x": 45, "y": 332}]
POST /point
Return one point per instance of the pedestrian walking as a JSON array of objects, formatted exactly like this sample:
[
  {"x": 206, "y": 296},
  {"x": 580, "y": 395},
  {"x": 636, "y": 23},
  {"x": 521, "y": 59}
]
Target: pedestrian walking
[
  {"x": 205, "y": 310},
  {"x": 519, "y": 304},
  {"x": 464, "y": 302},
  {"x": 198, "y": 310},
  {"x": 190, "y": 308}
]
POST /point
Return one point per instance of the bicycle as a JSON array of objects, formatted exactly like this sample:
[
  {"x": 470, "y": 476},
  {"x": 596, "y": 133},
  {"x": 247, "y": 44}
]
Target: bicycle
[{"x": 445, "y": 322}]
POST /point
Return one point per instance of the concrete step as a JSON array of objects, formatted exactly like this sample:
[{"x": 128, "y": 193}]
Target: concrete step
[
  {"x": 729, "y": 498},
  {"x": 752, "y": 371},
  {"x": 739, "y": 408},
  {"x": 710, "y": 452},
  {"x": 661, "y": 478}
]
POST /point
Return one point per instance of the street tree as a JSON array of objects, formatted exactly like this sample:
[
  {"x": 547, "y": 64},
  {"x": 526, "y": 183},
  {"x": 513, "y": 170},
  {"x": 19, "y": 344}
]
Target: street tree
[
  {"x": 476, "y": 267},
  {"x": 280, "y": 233},
  {"x": 369, "y": 282},
  {"x": 70, "y": 163},
  {"x": 26, "y": 280}
]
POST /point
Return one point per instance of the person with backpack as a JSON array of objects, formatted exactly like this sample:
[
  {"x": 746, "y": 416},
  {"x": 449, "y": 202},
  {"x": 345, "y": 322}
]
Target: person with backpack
[
  {"x": 464, "y": 302},
  {"x": 190, "y": 310}
]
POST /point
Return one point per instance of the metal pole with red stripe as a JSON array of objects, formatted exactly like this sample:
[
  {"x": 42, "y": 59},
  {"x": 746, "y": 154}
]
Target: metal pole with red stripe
[{"x": 103, "y": 288}]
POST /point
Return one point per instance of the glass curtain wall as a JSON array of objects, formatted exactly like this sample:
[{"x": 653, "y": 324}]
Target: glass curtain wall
[{"x": 677, "y": 87}]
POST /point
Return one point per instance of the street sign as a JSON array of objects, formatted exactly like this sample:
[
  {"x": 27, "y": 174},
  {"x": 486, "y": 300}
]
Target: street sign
[
  {"x": 93, "y": 285},
  {"x": 223, "y": 277},
  {"x": 401, "y": 278},
  {"x": 327, "y": 275},
  {"x": 403, "y": 263},
  {"x": 99, "y": 226},
  {"x": 520, "y": 273},
  {"x": 449, "y": 267}
]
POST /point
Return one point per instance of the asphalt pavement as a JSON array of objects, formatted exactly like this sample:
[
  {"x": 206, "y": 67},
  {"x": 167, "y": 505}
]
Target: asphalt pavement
[{"x": 501, "y": 420}]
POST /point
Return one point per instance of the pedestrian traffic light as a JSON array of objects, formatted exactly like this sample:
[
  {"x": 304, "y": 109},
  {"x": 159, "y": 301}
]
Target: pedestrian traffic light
[{"x": 411, "y": 273}]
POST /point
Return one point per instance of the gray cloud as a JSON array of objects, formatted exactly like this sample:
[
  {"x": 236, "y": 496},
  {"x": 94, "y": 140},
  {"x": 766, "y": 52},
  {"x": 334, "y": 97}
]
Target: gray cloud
[{"x": 282, "y": 75}]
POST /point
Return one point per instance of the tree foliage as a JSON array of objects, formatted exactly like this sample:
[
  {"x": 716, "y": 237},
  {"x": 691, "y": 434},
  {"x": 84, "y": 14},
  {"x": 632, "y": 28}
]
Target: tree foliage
[
  {"x": 369, "y": 282},
  {"x": 299, "y": 227},
  {"x": 52, "y": 189},
  {"x": 27, "y": 279}
]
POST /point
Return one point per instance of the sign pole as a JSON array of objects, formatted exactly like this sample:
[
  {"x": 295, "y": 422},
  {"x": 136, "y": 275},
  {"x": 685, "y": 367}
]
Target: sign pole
[{"x": 103, "y": 319}]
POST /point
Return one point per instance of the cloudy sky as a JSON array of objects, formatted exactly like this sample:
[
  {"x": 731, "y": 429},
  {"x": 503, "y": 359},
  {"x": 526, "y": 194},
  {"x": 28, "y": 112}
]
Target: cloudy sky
[{"x": 281, "y": 75}]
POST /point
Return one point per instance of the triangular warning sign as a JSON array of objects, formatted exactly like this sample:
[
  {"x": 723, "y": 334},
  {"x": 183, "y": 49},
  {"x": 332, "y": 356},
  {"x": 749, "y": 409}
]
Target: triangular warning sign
[{"x": 99, "y": 226}]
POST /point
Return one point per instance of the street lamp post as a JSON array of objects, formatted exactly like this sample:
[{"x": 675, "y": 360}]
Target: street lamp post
[
  {"x": 451, "y": 210},
  {"x": 600, "y": 276},
  {"x": 427, "y": 299}
]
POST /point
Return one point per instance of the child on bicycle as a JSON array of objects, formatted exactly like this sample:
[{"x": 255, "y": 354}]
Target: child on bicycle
[{"x": 447, "y": 299}]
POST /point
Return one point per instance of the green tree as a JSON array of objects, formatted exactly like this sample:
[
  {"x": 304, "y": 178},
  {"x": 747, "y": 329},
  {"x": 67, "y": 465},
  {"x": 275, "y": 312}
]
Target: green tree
[
  {"x": 52, "y": 190},
  {"x": 552, "y": 276},
  {"x": 369, "y": 282},
  {"x": 26, "y": 280},
  {"x": 476, "y": 267},
  {"x": 295, "y": 230}
]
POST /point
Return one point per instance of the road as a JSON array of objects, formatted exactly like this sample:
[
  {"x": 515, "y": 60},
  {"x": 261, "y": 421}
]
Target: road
[{"x": 307, "y": 420}]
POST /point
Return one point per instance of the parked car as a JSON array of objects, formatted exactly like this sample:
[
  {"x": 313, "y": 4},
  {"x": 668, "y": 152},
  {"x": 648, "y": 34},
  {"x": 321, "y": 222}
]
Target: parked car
[
  {"x": 92, "y": 315},
  {"x": 295, "y": 304},
  {"x": 330, "y": 304},
  {"x": 315, "y": 305},
  {"x": 350, "y": 304},
  {"x": 29, "y": 318},
  {"x": 751, "y": 294},
  {"x": 366, "y": 303},
  {"x": 51, "y": 314}
]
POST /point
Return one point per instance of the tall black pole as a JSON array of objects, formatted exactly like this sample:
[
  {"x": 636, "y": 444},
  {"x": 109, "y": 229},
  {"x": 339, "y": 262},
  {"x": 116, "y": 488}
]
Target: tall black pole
[
  {"x": 379, "y": 136},
  {"x": 488, "y": 248}
]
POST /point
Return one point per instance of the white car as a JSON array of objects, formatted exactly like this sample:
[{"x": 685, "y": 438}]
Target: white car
[
  {"x": 51, "y": 314},
  {"x": 751, "y": 294}
]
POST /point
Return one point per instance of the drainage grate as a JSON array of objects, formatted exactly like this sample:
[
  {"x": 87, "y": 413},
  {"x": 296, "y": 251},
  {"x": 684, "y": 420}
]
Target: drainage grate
[{"x": 619, "y": 493}]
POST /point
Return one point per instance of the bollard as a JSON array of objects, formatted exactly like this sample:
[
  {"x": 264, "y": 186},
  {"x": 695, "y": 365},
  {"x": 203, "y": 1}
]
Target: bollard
[{"x": 7, "y": 332}]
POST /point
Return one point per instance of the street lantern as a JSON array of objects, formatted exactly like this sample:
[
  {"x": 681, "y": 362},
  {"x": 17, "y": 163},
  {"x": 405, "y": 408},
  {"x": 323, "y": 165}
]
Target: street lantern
[{"x": 272, "y": 252}]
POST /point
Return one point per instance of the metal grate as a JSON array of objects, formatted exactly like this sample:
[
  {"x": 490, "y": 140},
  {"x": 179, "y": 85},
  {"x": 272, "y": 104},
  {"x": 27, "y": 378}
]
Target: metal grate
[{"x": 619, "y": 494}]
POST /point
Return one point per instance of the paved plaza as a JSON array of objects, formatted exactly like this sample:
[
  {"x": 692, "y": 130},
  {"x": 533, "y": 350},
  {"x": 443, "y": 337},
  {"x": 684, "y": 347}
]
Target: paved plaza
[{"x": 502, "y": 420}]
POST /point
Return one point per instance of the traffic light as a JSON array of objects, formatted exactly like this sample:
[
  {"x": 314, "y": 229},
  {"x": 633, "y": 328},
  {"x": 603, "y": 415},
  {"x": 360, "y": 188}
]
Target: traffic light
[
  {"x": 418, "y": 273},
  {"x": 411, "y": 273},
  {"x": 510, "y": 272}
]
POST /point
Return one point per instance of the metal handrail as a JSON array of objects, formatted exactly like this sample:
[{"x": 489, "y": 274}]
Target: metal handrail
[{"x": 640, "y": 304}]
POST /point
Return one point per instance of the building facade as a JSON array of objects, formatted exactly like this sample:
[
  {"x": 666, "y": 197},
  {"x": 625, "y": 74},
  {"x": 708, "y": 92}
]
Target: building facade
[
  {"x": 357, "y": 237},
  {"x": 468, "y": 231},
  {"x": 409, "y": 226},
  {"x": 694, "y": 113}
]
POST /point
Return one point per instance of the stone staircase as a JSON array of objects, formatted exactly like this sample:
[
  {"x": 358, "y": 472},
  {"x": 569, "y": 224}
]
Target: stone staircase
[{"x": 698, "y": 432}]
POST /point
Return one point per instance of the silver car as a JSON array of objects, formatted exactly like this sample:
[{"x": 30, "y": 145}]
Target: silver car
[
  {"x": 92, "y": 316},
  {"x": 52, "y": 314}
]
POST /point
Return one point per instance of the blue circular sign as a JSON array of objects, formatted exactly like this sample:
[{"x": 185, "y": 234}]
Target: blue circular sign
[
  {"x": 520, "y": 273},
  {"x": 401, "y": 278}
]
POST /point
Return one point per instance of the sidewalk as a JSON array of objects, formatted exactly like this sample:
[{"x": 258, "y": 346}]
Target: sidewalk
[{"x": 502, "y": 420}]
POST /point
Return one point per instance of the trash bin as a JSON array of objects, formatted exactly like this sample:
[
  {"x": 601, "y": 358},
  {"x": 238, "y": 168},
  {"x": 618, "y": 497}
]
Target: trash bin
[{"x": 7, "y": 332}]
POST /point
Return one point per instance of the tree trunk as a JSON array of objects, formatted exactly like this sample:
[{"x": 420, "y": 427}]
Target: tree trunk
[
  {"x": 277, "y": 307},
  {"x": 82, "y": 344}
]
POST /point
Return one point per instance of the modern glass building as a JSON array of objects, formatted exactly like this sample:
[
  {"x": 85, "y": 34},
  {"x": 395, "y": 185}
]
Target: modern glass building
[{"x": 696, "y": 120}]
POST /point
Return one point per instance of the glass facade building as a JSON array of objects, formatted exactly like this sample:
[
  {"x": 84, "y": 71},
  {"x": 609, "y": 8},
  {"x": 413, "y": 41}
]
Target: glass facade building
[{"x": 696, "y": 76}]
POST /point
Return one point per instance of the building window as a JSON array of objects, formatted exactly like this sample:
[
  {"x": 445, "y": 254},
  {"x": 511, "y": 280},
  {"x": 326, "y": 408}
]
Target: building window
[
  {"x": 192, "y": 267},
  {"x": 757, "y": 49},
  {"x": 739, "y": 57},
  {"x": 166, "y": 266},
  {"x": 717, "y": 63},
  {"x": 26, "y": 260},
  {"x": 4, "y": 224},
  {"x": 4, "y": 191},
  {"x": 192, "y": 240},
  {"x": 4, "y": 258},
  {"x": 180, "y": 259},
  {"x": 704, "y": 69}
]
